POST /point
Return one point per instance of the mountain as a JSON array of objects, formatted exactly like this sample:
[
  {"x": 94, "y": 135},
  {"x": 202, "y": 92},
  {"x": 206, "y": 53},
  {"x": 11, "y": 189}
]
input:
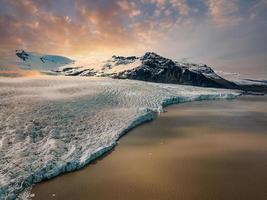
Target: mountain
[
  {"x": 41, "y": 62},
  {"x": 150, "y": 67},
  {"x": 245, "y": 83},
  {"x": 153, "y": 68}
]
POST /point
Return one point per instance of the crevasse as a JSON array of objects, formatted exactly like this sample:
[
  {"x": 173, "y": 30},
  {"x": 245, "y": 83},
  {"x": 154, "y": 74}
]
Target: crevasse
[{"x": 52, "y": 125}]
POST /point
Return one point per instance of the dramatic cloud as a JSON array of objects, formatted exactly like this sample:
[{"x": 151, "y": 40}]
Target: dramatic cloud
[
  {"x": 40, "y": 30},
  {"x": 90, "y": 26},
  {"x": 224, "y": 13},
  {"x": 82, "y": 28}
]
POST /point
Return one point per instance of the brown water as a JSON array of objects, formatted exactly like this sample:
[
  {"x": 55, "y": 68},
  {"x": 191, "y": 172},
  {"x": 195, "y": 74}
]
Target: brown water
[{"x": 202, "y": 150}]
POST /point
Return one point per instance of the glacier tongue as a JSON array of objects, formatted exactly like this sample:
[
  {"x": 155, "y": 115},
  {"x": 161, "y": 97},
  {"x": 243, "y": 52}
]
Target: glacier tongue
[{"x": 51, "y": 125}]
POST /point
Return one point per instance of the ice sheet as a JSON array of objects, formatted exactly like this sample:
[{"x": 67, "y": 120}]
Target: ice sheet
[{"x": 51, "y": 125}]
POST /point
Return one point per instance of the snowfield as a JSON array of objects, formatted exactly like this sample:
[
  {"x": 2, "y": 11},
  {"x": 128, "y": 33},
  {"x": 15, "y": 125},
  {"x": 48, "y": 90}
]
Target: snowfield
[{"x": 51, "y": 124}]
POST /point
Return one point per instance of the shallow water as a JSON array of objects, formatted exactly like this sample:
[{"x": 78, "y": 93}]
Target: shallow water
[{"x": 198, "y": 150}]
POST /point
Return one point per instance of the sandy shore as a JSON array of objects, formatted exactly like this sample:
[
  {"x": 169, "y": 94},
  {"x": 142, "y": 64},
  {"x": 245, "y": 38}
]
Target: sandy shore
[{"x": 199, "y": 150}]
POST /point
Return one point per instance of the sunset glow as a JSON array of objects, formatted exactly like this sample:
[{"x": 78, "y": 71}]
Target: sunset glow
[
  {"x": 229, "y": 35},
  {"x": 76, "y": 76}
]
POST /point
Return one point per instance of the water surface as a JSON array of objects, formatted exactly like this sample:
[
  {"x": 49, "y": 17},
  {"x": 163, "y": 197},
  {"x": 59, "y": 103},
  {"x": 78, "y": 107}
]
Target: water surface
[{"x": 200, "y": 150}]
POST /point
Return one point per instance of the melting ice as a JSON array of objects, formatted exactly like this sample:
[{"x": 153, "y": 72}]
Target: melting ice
[{"x": 51, "y": 125}]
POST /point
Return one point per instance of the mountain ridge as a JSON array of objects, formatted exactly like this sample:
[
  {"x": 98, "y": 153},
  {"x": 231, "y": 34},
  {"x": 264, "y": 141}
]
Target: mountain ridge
[{"x": 150, "y": 67}]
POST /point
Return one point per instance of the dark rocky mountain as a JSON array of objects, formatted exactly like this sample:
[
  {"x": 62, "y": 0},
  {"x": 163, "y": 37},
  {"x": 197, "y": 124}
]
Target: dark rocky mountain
[
  {"x": 22, "y": 55},
  {"x": 155, "y": 68},
  {"x": 150, "y": 67}
]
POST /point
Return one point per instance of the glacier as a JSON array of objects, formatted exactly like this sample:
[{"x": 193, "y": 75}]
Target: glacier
[{"x": 55, "y": 124}]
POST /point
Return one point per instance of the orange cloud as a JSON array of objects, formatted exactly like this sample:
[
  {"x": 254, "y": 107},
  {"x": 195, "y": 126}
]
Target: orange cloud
[
  {"x": 181, "y": 6},
  {"x": 224, "y": 12},
  {"x": 108, "y": 27},
  {"x": 102, "y": 27},
  {"x": 95, "y": 29},
  {"x": 129, "y": 7}
]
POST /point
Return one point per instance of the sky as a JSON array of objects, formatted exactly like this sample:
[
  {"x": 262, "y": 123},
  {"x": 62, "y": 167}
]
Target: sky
[{"x": 228, "y": 35}]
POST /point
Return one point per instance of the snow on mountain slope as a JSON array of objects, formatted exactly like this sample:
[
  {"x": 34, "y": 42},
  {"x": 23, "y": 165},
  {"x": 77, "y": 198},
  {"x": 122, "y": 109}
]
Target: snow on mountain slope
[
  {"x": 36, "y": 61},
  {"x": 110, "y": 67},
  {"x": 50, "y": 125},
  {"x": 246, "y": 84},
  {"x": 118, "y": 64},
  {"x": 153, "y": 68},
  {"x": 241, "y": 80},
  {"x": 150, "y": 67}
]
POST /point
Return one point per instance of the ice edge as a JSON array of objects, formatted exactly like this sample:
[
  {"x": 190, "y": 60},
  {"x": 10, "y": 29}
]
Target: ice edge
[{"x": 149, "y": 115}]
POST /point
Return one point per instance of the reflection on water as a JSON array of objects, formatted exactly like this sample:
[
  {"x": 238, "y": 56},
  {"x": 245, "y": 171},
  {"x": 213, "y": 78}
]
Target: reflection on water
[{"x": 200, "y": 150}]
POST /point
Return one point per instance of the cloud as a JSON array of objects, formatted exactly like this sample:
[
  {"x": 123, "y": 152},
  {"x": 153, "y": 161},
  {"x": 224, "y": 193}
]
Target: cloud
[
  {"x": 129, "y": 7},
  {"x": 258, "y": 10},
  {"x": 204, "y": 29},
  {"x": 181, "y": 6},
  {"x": 115, "y": 25},
  {"x": 224, "y": 12},
  {"x": 30, "y": 26}
]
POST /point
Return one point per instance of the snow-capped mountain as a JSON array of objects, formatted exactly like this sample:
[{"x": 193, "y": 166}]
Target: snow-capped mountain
[
  {"x": 245, "y": 83},
  {"x": 36, "y": 61},
  {"x": 153, "y": 68},
  {"x": 150, "y": 67}
]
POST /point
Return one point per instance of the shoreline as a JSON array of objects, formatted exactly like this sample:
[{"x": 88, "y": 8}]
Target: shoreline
[
  {"x": 141, "y": 120},
  {"x": 153, "y": 102},
  {"x": 109, "y": 153}
]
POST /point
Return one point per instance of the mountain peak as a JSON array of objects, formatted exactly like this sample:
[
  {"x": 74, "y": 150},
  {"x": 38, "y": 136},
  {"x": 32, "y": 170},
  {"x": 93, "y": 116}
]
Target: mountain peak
[
  {"x": 151, "y": 55},
  {"x": 22, "y": 54},
  {"x": 114, "y": 57}
]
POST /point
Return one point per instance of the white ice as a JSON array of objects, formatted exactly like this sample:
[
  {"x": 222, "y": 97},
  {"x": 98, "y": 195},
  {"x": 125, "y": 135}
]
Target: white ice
[
  {"x": 240, "y": 79},
  {"x": 51, "y": 125}
]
